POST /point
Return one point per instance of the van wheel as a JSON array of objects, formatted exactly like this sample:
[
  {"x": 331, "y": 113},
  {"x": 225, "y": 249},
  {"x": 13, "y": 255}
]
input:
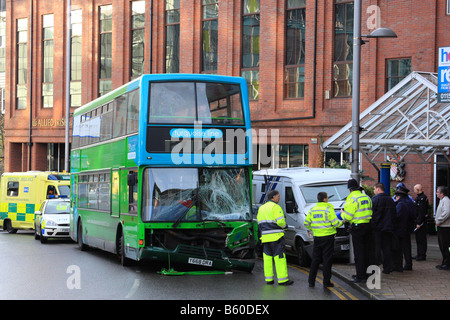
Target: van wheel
[
  {"x": 9, "y": 227},
  {"x": 81, "y": 245},
  {"x": 303, "y": 258}
]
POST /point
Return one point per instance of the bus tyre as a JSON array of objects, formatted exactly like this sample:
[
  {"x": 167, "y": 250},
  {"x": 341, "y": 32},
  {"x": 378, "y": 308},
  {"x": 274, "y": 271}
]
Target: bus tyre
[
  {"x": 81, "y": 245},
  {"x": 9, "y": 227},
  {"x": 303, "y": 258},
  {"x": 124, "y": 261}
]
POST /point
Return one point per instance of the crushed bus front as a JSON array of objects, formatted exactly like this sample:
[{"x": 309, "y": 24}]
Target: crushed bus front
[{"x": 224, "y": 246}]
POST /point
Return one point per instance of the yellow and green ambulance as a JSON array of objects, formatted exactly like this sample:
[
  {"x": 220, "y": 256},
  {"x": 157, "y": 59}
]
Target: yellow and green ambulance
[{"x": 22, "y": 193}]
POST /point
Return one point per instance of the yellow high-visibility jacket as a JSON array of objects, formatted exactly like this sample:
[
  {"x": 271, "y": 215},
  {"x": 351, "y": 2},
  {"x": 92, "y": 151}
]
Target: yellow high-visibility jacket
[
  {"x": 271, "y": 222},
  {"x": 357, "y": 208},
  {"x": 322, "y": 220}
]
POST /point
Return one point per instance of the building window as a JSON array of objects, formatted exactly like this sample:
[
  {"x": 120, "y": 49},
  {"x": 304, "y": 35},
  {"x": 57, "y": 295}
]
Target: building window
[
  {"x": 75, "y": 59},
  {"x": 210, "y": 26},
  {"x": 337, "y": 159},
  {"x": 281, "y": 156},
  {"x": 172, "y": 36},
  {"x": 448, "y": 7},
  {"x": 250, "y": 46},
  {"x": 55, "y": 156},
  {"x": 22, "y": 61},
  {"x": 293, "y": 155},
  {"x": 137, "y": 38},
  {"x": 105, "y": 49},
  {"x": 397, "y": 70},
  {"x": 343, "y": 48},
  {"x": 295, "y": 49},
  {"x": 47, "y": 45}
]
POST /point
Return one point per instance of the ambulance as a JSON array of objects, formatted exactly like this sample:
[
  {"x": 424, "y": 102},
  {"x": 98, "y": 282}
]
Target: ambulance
[
  {"x": 298, "y": 188},
  {"x": 22, "y": 193}
]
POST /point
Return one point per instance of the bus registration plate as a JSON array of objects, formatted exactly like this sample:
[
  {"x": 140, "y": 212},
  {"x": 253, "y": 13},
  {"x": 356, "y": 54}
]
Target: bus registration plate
[{"x": 201, "y": 262}]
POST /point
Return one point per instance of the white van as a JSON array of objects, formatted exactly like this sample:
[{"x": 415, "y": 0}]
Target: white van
[{"x": 298, "y": 188}]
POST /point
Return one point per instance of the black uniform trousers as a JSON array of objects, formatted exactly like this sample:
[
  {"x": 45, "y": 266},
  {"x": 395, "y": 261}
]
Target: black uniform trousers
[
  {"x": 362, "y": 248},
  {"x": 383, "y": 244},
  {"x": 421, "y": 240},
  {"x": 401, "y": 247},
  {"x": 322, "y": 252}
]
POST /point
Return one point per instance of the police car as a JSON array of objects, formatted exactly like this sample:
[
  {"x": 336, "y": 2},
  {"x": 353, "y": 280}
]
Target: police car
[{"x": 52, "y": 220}]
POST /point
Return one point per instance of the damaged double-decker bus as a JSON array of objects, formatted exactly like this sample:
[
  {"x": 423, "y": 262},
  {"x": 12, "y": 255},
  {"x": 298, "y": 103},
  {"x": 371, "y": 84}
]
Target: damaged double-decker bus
[{"x": 161, "y": 170}]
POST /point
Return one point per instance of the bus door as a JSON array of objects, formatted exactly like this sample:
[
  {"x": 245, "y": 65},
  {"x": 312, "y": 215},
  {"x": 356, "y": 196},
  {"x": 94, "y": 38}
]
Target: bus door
[
  {"x": 115, "y": 193},
  {"x": 132, "y": 190},
  {"x": 128, "y": 204}
]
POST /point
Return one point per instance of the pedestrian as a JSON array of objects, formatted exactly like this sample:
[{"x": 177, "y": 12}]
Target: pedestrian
[
  {"x": 272, "y": 223},
  {"x": 421, "y": 203},
  {"x": 442, "y": 220},
  {"x": 358, "y": 212},
  {"x": 322, "y": 221},
  {"x": 404, "y": 226},
  {"x": 401, "y": 186},
  {"x": 383, "y": 217}
]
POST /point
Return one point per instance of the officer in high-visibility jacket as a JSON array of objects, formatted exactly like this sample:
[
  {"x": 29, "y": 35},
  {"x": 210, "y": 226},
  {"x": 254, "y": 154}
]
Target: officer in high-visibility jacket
[
  {"x": 358, "y": 212},
  {"x": 322, "y": 221},
  {"x": 272, "y": 223}
]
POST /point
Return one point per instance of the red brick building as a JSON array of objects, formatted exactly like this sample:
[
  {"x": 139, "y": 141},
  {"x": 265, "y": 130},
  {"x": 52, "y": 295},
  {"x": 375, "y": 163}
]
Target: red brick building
[{"x": 296, "y": 56}]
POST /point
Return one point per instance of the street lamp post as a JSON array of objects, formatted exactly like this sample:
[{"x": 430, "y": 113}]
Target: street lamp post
[
  {"x": 356, "y": 89},
  {"x": 68, "y": 69},
  {"x": 357, "y": 42}
]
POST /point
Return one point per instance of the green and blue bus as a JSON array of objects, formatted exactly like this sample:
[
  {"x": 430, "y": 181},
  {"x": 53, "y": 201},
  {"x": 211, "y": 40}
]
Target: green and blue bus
[{"x": 161, "y": 170}]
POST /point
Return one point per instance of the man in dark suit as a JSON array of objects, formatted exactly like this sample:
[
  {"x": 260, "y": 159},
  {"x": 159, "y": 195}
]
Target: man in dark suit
[{"x": 383, "y": 217}]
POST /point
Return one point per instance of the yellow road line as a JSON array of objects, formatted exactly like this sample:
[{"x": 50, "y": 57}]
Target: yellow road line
[
  {"x": 319, "y": 279},
  {"x": 333, "y": 289}
]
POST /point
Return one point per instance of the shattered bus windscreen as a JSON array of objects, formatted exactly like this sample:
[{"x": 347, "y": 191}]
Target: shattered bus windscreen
[{"x": 195, "y": 194}]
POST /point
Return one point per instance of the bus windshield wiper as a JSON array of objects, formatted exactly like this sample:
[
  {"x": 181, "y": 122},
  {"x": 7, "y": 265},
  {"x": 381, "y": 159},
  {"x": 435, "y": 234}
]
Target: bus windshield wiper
[
  {"x": 177, "y": 222},
  {"x": 215, "y": 220}
]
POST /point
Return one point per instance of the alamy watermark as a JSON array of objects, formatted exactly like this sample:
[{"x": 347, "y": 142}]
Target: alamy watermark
[
  {"x": 374, "y": 20},
  {"x": 74, "y": 280},
  {"x": 210, "y": 146},
  {"x": 374, "y": 280}
]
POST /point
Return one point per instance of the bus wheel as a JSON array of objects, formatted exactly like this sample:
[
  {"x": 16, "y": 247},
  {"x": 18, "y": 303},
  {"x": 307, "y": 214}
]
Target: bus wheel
[
  {"x": 81, "y": 245},
  {"x": 124, "y": 261},
  {"x": 9, "y": 227}
]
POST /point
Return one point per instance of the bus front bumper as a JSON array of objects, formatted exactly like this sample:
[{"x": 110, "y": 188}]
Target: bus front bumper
[{"x": 205, "y": 257}]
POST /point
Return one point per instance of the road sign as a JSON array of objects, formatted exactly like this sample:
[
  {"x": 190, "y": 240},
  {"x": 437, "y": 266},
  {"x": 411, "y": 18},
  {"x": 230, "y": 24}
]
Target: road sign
[{"x": 444, "y": 75}]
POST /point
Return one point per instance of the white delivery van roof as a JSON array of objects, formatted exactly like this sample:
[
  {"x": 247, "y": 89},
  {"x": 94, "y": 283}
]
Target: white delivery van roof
[{"x": 305, "y": 175}]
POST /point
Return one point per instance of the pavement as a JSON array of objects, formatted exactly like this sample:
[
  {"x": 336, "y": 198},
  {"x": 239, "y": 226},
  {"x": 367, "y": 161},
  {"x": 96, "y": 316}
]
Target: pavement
[{"x": 424, "y": 282}]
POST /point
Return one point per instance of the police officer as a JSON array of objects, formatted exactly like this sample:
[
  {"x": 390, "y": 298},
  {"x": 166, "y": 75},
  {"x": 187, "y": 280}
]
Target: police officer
[
  {"x": 322, "y": 221},
  {"x": 358, "y": 212},
  {"x": 421, "y": 203},
  {"x": 271, "y": 222}
]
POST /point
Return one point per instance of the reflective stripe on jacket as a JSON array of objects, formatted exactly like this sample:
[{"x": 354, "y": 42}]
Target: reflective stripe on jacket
[
  {"x": 271, "y": 221},
  {"x": 322, "y": 220},
  {"x": 357, "y": 208}
]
